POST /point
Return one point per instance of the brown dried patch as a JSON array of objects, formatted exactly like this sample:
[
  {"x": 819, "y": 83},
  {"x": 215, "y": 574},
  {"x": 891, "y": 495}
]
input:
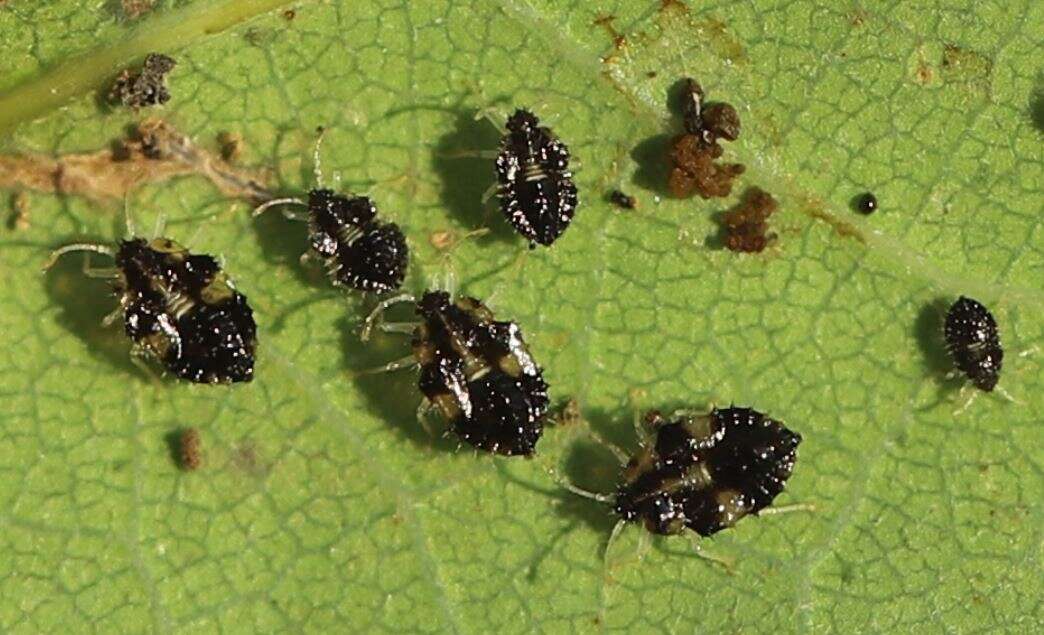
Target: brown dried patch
[
  {"x": 858, "y": 17},
  {"x": 924, "y": 73},
  {"x": 19, "y": 219},
  {"x": 245, "y": 459},
  {"x": 231, "y": 144},
  {"x": 154, "y": 152},
  {"x": 134, "y": 9},
  {"x": 815, "y": 208},
  {"x": 673, "y": 5},
  {"x": 693, "y": 155},
  {"x": 190, "y": 454},
  {"x": 746, "y": 225},
  {"x": 442, "y": 240},
  {"x": 570, "y": 413},
  {"x": 289, "y": 15},
  {"x": 606, "y": 22},
  {"x": 965, "y": 66}
]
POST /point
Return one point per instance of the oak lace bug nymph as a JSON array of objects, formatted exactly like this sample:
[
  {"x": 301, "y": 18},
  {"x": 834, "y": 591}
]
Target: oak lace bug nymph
[
  {"x": 179, "y": 308},
  {"x": 701, "y": 472},
  {"x": 535, "y": 187},
  {"x": 358, "y": 250},
  {"x": 973, "y": 342},
  {"x": 475, "y": 370}
]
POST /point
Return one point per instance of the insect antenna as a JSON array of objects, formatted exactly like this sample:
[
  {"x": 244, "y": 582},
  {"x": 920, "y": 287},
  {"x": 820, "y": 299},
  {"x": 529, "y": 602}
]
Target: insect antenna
[{"x": 97, "y": 248}]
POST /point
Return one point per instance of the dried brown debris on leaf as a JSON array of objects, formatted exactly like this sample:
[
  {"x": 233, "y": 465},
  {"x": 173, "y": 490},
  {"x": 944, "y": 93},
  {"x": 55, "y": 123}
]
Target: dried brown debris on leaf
[
  {"x": 154, "y": 152},
  {"x": 694, "y": 154},
  {"x": 147, "y": 87},
  {"x": 190, "y": 455},
  {"x": 746, "y": 225},
  {"x": 19, "y": 219}
]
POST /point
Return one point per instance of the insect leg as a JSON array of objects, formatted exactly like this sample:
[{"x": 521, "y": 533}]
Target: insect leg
[
  {"x": 786, "y": 509},
  {"x": 379, "y": 310},
  {"x": 260, "y": 209},
  {"x": 97, "y": 248},
  {"x": 722, "y": 561},
  {"x": 399, "y": 364}
]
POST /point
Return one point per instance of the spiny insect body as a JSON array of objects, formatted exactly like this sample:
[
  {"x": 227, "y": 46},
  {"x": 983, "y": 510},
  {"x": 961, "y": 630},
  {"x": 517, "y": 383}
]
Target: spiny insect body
[
  {"x": 706, "y": 472},
  {"x": 181, "y": 309},
  {"x": 477, "y": 372},
  {"x": 358, "y": 250},
  {"x": 974, "y": 343},
  {"x": 536, "y": 189}
]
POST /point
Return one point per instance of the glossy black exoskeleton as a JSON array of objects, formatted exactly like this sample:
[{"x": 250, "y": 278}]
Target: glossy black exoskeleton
[
  {"x": 536, "y": 189},
  {"x": 359, "y": 251},
  {"x": 706, "y": 472},
  {"x": 181, "y": 309},
  {"x": 974, "y": 342},
  {"x": 477, "y": 372}
]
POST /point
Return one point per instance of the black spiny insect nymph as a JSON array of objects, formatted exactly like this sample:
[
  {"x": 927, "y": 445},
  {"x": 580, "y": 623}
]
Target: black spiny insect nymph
[
  {"x": 701, "y": 472},
  {"x": 358, "y": 250},
  {"x": 974, "y": 342},
  {"x": 180, "y": 309},
  {"x": 536, "y": 189},
  {"x": 706, "y": 472},
  {"x": 475, "y": 370}
]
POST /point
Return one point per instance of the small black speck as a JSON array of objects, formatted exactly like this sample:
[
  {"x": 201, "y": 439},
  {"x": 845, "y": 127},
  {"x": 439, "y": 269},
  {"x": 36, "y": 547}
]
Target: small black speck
[
  {"x": 865, "y": 203},
  {"x": 625, "y": 201}
]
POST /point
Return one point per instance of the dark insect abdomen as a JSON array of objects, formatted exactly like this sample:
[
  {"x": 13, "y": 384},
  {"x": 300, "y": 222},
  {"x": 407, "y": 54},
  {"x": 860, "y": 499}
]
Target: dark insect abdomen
[
  {"x": 537, "y": 193},
  {"x": 748, "y": 469},
  {"x": 360, "y": 251},
  {"x": 479, "y": 375},
  {"x": 974, "y": 342},
  {"x": 736, "y": 464},
  {"x": 180, "y": 308},
  {"x": 217, "y": 343}
]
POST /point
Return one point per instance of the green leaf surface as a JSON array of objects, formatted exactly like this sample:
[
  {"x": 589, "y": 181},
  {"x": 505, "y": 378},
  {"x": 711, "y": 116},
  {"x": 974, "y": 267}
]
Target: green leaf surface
[{"x": 322, "y": 505}]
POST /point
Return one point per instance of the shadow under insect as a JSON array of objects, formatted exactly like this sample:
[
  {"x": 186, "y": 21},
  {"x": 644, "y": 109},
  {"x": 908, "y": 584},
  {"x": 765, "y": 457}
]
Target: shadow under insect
[
  {"x": 928, "y": 331},
  {"x": 392, "y": 397},
  {"x": 465, "y": 179},
  {"x": 651, "y": 155},
  {"x": 83, "y": 303},
  {"x": 1036, "y": 104}
]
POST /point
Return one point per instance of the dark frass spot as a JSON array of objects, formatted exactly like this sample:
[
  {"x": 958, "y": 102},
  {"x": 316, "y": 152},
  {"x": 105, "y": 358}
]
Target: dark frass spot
[
  {"x": 145, "y": 88},
  {"x": 536, "y": 189},
  {"x": 479, "y": 374},
  {"x": 974, "y": 343},
  {"x": 358, "y": 250},
  {"x": 865, "y": 203},
  {"x": 190, "y": 454},
  {"x": 693, "y": 155},
  {"x": 706, "y": 472},
  {"x": 623, "y": 201},
  {"x": 746, "y": 225},
  {"x": 181, "y": 309}
]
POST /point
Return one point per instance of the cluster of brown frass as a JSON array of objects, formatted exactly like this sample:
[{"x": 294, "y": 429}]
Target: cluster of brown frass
[{"x": 695, "y": 169}]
